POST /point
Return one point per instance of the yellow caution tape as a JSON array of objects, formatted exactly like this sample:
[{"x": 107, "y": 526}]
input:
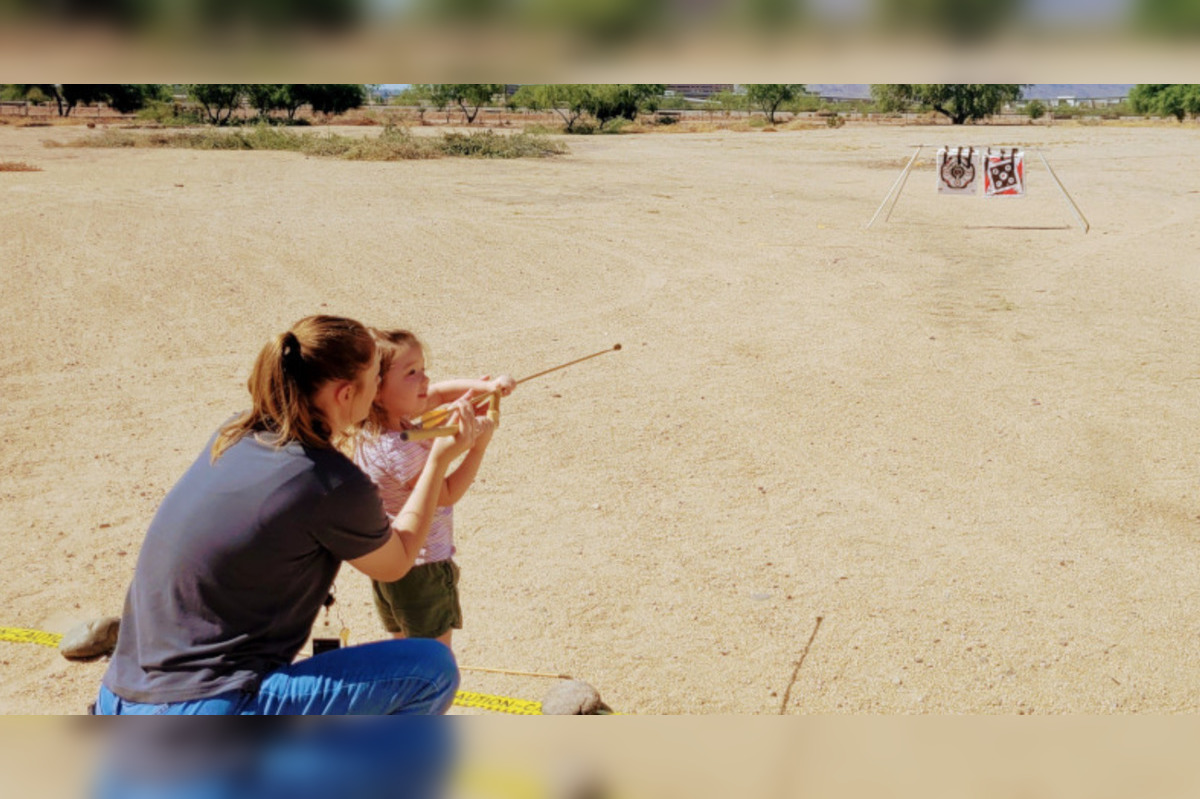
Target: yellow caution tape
[
  {"x": 21, "y": 636},
  {"x": 496, "y": 704}
]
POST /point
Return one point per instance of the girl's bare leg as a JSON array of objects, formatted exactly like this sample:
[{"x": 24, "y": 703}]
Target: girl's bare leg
[{"x": 444, "y": 637}]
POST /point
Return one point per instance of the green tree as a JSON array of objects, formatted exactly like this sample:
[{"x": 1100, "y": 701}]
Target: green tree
[
  {"x": 63, "y": 95},
  {"x": 1143, "y": 97},
  {"x": 470, "y": 97},
  {"x": 289, "y": 97},
  {"x": 609, "y": 101},
  {"x": 267, "y": 97},
  {"x": 328, "y": 98},
  {"x": 22, "y": 91},
  {"x": 1166, "y": 99},
  {"x": 290, "y": 100},
  {"x": 604, "y": 101},
  {"x": 129, "y": 97},
  {"x": 1191, "y": 98},
  {"x": 961, "y": 102},
  {"x": 769, "y": 96},
  {"x": 219, "y": 100},
  {"x": 1036, "y": 109},
  {"x": 1170, "y": 103},
  {"x": 568, "y": 100},
  {"x": 123, "y": 97}
]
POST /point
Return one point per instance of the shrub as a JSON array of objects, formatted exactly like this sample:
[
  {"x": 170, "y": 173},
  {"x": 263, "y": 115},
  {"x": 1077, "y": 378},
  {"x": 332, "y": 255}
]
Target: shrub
[
  {"x": 487, "y": 144},
  {"x": 169, "y": 114},
  {"x": 392, "y": 144},
  {"x": 618, "y": 125}
]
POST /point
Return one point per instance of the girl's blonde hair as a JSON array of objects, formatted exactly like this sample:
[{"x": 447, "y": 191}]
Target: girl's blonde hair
[
  {"x": 289, "y": 371},
  {"x": 390, "y": 343}
]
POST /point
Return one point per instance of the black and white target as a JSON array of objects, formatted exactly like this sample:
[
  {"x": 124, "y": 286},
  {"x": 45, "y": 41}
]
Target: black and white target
[{"x": 957, "y": 170}]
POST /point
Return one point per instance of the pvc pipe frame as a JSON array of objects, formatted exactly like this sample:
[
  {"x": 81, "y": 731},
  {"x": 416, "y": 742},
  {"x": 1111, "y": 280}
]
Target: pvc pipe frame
[
  {"x": 903, "y": 177},
  {"x": 1078, "y": 214},
  {"x": 902, "y": 180}
]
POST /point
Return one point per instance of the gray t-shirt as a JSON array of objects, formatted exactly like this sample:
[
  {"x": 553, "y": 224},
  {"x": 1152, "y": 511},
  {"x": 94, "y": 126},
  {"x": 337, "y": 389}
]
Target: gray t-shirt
[{"x": 235, "y": 567}]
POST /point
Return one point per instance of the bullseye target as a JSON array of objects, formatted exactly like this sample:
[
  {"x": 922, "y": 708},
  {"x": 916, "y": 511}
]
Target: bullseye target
[{"x": 957, "y": 170}]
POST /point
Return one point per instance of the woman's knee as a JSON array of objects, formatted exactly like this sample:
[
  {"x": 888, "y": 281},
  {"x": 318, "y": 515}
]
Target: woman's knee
[
  {"x": 434, "y": 663},
  {"x": 436, "y": 655},
  {"x": 427, "y": 650}
]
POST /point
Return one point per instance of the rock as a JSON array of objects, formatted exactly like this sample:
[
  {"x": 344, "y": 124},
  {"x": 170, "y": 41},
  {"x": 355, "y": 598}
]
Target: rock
[
  {"x": 91, "y": 639},
  {"x": 574, "y": 698}
]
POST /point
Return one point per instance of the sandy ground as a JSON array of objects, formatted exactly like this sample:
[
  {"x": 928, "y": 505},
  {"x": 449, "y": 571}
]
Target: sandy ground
[{"x": 948, "y": 463}]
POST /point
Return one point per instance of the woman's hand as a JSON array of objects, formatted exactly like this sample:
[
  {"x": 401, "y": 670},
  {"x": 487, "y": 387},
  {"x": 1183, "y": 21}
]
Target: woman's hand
[
  {"x": 462, "y": 414},
  {"x": 486, "y": 428}
]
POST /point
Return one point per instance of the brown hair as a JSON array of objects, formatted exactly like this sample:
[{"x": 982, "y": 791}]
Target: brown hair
[
  {"x": 289, "y": 371},
  {"x": 390, "y": 344}
]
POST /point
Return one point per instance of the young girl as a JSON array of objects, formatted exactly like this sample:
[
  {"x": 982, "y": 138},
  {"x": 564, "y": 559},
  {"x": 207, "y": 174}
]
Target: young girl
[{"x": 424, "y": 603}]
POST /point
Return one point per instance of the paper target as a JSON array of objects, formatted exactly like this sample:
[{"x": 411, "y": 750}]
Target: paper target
[
  {"x": 1004, "y": 173},
  {"x": 956, "y": 170}
]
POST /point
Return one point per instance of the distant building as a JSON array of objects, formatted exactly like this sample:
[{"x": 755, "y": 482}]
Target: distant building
[
  {"x": 1088, "y": 102},
  {"x": 698, "y": 89}
]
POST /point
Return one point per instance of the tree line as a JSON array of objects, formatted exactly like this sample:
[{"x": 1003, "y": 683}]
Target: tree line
[
  {"x": 574, "y": 103},
  {"x": 604, "y": 102},
  {"x": 123, "y": 97},
  {"x": 218, "y": 101}
]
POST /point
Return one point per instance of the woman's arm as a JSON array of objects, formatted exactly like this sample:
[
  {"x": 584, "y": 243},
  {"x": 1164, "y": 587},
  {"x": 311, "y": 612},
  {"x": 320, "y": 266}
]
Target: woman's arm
[
  {"x": 458, "y": 481},
  {"x": 410, "y": 528}
]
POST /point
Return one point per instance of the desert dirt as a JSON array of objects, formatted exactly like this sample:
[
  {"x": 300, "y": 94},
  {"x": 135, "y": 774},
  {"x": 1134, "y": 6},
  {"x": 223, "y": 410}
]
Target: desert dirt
[{"x": 944, "y": 465}]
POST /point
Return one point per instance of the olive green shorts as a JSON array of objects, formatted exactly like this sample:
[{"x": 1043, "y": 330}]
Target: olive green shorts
[{"x": 422, "y": 603}]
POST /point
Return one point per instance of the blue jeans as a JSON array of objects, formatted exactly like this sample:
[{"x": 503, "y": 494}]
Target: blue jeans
[
  {"x": 410, "y": 676},
  {"x": 338, "y": 758}
]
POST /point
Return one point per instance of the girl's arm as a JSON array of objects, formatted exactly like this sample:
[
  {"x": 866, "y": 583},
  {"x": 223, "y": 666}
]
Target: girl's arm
[
  {"x": 410, "y": 528},
  {"x": 446, "y": 390}
]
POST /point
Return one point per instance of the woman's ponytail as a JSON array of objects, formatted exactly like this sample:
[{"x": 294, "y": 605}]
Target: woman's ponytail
[{"x": 287, "y": 374}]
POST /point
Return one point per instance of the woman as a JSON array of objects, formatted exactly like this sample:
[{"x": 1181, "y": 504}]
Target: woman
[{"x": 244, "y": 549}]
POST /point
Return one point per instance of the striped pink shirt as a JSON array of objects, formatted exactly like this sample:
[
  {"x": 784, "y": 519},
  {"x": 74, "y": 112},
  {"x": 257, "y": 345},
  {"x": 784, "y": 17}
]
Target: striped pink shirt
[{"x": 393, "y": 464}]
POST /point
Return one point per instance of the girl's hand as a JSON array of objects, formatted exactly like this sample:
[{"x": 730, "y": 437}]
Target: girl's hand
[
  {"x": 463, "y": 415},
  {"x": 503, "y": 384}
]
